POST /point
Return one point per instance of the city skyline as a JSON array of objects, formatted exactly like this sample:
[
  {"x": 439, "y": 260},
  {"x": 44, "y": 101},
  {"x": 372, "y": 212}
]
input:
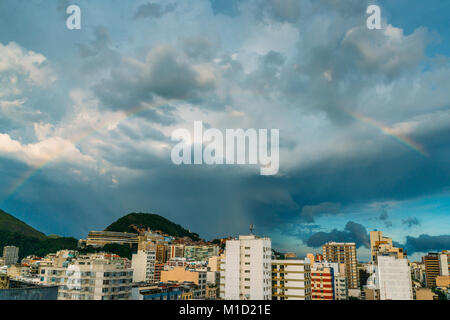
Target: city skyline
[{"x": 86, "y": 117}]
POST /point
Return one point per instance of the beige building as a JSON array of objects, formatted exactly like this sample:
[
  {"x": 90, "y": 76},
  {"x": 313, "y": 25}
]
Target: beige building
[
  {"x": 383, "y": 245},
  {"x": 343, "y": 253},
  {"x": 425, "y": 294},
  {"x": 18, "y": 271},
  {"x": 443, "y": 281},
  {"x": 214, "y": 263},
  {"x": 370, "y": 294},
  {"x": 182, "y": 274}
]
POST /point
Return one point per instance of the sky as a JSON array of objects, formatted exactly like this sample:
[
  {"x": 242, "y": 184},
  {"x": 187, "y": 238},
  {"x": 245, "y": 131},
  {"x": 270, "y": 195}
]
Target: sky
[{"x": 86, "y": 117}]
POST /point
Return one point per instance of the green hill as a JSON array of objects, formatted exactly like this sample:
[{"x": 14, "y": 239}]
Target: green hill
[
  {"x": 14, "y": 232},
  {"x": 152, "y": 221},
  {"x": 14, "y": 225}
]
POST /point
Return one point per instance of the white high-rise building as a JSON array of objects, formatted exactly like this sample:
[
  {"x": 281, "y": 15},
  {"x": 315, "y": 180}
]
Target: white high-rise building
[
  {"x": 10, "y": 255},
  {"x": 143, "y": 265},
  {"x": 443, "y": 264},
  {"x": 393, "y": 278},
  {"x": 246, "y": 269}
]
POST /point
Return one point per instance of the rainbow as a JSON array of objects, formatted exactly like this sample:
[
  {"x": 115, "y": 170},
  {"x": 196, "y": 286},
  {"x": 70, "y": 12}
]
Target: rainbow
[
  {"x": 406, "y": 141},
  {"x": 32, "y": 171}
]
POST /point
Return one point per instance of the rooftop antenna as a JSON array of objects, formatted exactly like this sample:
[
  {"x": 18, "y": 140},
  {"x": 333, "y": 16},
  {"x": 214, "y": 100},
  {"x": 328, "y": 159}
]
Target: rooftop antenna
[{"x": 252, "y": 228}]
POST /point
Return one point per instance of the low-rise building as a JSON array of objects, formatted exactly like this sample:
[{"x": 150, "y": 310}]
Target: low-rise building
[
  {"x": 425, "y": 294},
  {"x": 19, "y": 290},
  {"x": 183, "y": 274}
]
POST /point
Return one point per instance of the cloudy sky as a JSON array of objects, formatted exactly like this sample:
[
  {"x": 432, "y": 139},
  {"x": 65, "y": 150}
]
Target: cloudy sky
[{"x": 86, "y": 117}]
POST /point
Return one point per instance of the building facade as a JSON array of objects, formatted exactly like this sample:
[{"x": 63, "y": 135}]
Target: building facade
[
  {"x": 436, "y": 264},
  {"x": 101, "y": 238},
  {"x": 186, "y": 275},
  {"x": 10, "y": 255},
  {"x": 393, "y": 278},
  {"x": 343, "y": 253},
  {"x": 90, "y": 277},
  {"x": 291, "y": 280},
  {"x": 143, "y": 265},
  {"x": 200, "y": 252},
  {"x": 246, "y": 269}
]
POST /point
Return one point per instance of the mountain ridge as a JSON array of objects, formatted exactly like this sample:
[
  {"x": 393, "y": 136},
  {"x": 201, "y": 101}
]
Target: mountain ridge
[
  {"x": 9, "y": 223},
  {"x": 152, "y": 221}
]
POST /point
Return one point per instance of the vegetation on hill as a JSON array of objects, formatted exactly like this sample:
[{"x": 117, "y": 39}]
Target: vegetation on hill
[
  {"x": 14, "y": 225},
  {"x": 33, "y": 246},
  {"x": 152, "y": 221}
]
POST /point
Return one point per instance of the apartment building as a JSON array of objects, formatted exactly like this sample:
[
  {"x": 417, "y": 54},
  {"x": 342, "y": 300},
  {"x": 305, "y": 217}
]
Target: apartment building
[
  {"x": 393, "y": 278},
  {"x": 291, "y": 280},
  {"x": 436, "y": 264},
  {"x": 175, "y": 251},
  {"x": 143, "y": 265},
  {"x": 322, "y": 282},
  {"x": 381, "y": 245},
  {"x": 200, "y": 252},
  {"x": 10, "y": 255},
  {"x": 101, "y": 238},
  {"x": 246, "y": 269},
  {"x": 343, "y": 253},
  {"x": 90, "y": 277}
]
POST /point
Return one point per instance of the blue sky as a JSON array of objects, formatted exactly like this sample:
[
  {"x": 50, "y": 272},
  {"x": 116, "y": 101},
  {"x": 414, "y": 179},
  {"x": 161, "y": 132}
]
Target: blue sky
[{"x": 363, "y": 115}]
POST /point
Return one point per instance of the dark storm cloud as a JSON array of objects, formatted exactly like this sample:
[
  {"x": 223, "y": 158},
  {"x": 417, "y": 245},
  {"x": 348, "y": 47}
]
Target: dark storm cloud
[
  {"x": 425, "y": 243},
  {"x": 153, "y": 10},
  {"x": 310, "y": 212},
  {"x": 163, "y": 74},
  {"x": 411, "y": 222},
  {"x": 353, "y": 232}
]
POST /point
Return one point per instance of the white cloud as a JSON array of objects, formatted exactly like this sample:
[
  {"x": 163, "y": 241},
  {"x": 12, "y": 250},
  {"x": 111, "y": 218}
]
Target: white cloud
[{"x": 37, "y": 154}]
